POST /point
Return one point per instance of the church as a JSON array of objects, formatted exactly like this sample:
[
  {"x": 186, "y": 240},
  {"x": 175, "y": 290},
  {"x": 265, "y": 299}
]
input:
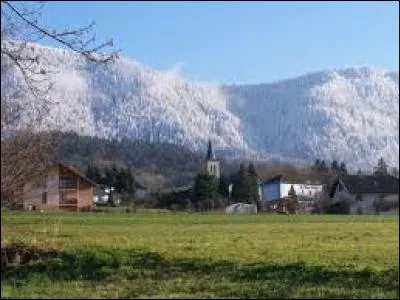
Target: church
[{"x": 211, "y": 165}]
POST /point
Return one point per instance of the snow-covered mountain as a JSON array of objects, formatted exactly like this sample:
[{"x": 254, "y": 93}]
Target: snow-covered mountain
[{"x": 349, "y": 114}]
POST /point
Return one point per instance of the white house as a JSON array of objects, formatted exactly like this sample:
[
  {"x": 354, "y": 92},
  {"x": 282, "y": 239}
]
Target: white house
[
  {"x": 363, "y": 190},
  {"x": 278, "y": 188}
]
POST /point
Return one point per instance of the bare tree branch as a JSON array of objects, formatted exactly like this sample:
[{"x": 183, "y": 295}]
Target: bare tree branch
[
  {"x": 75, "y": 45},
  {"x": 24, "y": 153}
]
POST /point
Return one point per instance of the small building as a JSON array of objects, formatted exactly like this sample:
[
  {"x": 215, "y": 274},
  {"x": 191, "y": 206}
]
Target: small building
[
  {"x": 59, "y": 187},
  {"x": 211, "y": 165},
  {"x": 241, "y": 208},
  {"x": 277, "y": 188},
  {"x": 364, "y": 190}
]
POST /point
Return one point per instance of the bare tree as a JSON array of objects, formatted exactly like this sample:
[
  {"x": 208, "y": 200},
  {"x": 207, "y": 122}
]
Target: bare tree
[{"x": 24, "y": 153}]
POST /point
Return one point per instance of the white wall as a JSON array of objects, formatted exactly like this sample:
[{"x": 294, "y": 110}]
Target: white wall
[
  {"x": 307, "y": 190},
  {"x": 276, "y": 190}
]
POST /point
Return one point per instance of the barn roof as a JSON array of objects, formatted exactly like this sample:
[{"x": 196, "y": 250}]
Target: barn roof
[
  {"x": 364, "y": 184},
  {"x": 78, "y": 173}
]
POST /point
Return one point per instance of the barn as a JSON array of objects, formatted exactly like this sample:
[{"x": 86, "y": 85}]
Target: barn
[{"x": 59, "y": 187}]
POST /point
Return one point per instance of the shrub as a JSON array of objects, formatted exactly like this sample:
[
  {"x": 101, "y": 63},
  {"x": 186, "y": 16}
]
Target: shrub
[
  {"x": 381, "y": 204},
  {"x": 341, "y": 207},
  {"x": 291, "y": 201}
]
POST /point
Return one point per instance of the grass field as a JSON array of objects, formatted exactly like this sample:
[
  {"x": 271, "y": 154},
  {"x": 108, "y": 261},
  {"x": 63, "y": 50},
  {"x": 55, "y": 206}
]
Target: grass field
[{"x": 165, "y": 255}]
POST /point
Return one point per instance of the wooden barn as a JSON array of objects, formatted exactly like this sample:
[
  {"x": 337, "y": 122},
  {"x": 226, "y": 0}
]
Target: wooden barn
[{"x": 59, "y": 187}]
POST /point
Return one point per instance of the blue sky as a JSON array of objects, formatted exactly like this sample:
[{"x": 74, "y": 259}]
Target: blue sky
[{"x": 242, "y": 42}]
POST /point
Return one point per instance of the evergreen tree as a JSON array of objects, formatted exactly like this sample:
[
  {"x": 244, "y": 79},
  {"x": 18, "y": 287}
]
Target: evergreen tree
[
  {"x": 223, "y": 186},
  {"x": 322, "y": 167},
  {"x": 381, "y": 168},
  {"x": 395, "y": 172},
  {"x": 125, "y": 184},
  {"x": 343, "y": 169},
  {"x": 96, "y": 174},
  {"x": 245, "y": 186},
  {"x": 242, "y": 169},
  {"x": 253, "y": 186},
  {"x": 317, "y": 165},
  {"x": 108, "y": 178},
  {"x": 291, "y": 201},
  {"x": 334, "y": 166},
  {"x": 130, "y": 184},
  {"x": 252, "y": 170},
  {"x": 114, "y": 174},
  {"x": 89, "y": 173},
  {"x": 205, "y": 191},
  {"x": 240, "y": 192},
  {"x": 317, "y": 162},
  {"x": 120, "y": 181},
  {"x": 92, "y": 172}
]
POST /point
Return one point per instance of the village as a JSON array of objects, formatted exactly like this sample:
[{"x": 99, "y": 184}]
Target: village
[
  {"x": 64, "y": 187},
  {"x": 199, "y": 150}
]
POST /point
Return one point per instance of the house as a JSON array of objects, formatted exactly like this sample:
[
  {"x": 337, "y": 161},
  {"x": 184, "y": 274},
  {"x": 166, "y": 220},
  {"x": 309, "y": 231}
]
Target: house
[
  {"x": 277, "y": 188},
  {"x": 364, "y": 190},
  {"x": 59, "y": 187}
]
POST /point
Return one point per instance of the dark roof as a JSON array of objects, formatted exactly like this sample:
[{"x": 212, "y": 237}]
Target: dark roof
[
  {"x": 78, "y": 173},
  {"x": 295, "y": 179},
  {"x": 363, "y": 184},
  {"x": 210, "y": 152}
]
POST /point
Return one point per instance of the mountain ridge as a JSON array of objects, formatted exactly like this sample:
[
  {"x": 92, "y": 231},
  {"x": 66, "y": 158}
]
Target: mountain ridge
[{"x": 348, "y": 114}]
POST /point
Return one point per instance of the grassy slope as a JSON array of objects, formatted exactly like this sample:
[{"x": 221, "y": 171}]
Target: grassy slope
[{"x": 183, "y": 255}]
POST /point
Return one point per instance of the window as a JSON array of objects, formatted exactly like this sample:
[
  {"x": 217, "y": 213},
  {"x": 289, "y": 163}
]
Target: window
[
  {"x": 44, "y": 198},
  {"x": 359, "y": 197}
]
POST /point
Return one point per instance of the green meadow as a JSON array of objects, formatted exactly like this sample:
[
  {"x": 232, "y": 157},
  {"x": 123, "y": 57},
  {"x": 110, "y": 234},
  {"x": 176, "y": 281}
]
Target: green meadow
[{"x": 183, "y": 255}]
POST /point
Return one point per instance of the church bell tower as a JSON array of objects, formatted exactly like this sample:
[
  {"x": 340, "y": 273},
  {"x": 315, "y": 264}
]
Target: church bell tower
[{"x": 211, "y": 165}]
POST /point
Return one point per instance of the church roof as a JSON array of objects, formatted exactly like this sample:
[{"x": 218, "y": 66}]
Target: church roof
[{"x": 210, "y": 152}]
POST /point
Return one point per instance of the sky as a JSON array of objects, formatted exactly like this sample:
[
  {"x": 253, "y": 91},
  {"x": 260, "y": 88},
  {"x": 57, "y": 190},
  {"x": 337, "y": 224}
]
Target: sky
[{"x": 241, "y": 42}]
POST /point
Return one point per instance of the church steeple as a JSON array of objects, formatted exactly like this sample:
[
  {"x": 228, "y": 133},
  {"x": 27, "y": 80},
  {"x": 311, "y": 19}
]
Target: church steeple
[
  {"x": 210, "y": 152},
  {"x": 211, "y": 165}
]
